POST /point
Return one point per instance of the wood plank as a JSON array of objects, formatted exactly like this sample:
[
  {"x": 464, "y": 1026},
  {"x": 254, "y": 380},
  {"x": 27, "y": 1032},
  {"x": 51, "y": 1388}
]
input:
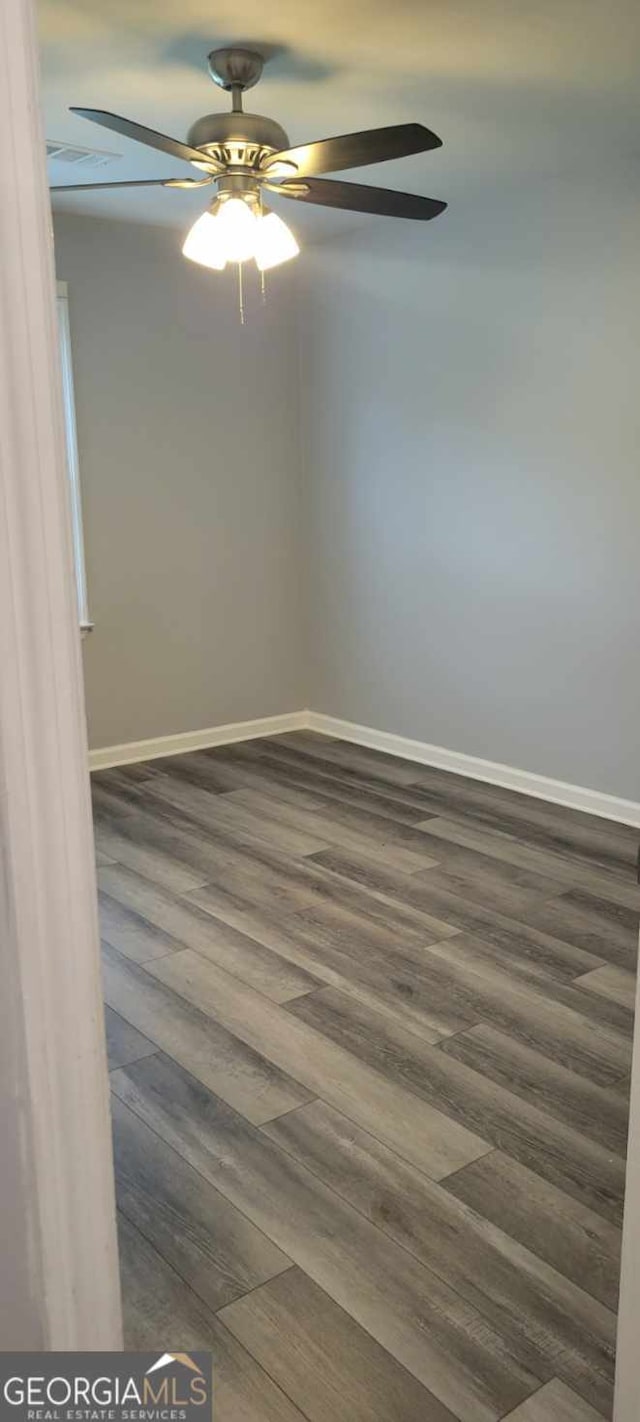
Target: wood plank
[
  {"x": 374, "y": 809},
  {"x": 431, "y": 1140},
  {"x": 217, "y": 1252},
  {"x": 545, "y": 964},
  {"x": 102, "y": 858},
  {"x": 555, "y": 1402},
  {"x": 309, "y": 944},
  {"x": 459, "y": 871},
  {"x": 426, "y": 1326},
  {"x": 398, "y": 975},
  {"x": 260, "y": 869},
  {"x": 134, "y": 773},
  {"x": 395, "y": 803},
  {"x": 356, "y": 974},
  {"x": 548, "y": 1323},
  {"x": 560, "y": 1154},
  {"x": 509, "y": 847},
  {"x": 531, "y": 809},
  {"x": 170, "y": 924},
  {"x": 542, "y": 1019},
  {"x": 264, "y": 875},
  {"x": 200, "y": 768},
  {"x": 372, "y": 850},
  {"x": 212, "y": 770},
  {"x": 588, "y": 1108},
  {"x": 555, "y": 1227},
  {"x": 269, "y": 880},
  {"x": 254, "y": 1086},
  {"x": 526, "y": 949},
  {"x": 152, "y": 862},
  {"x": 481, "y": 885},
  {"x": 443, "y": 792},
  {"x": 129, "y": 932},
  {"x": 438, "y": 992},
  {"x": 325, "y": 1361},
  {"x": 611, "y": 982},
  {"x": 622, "y": 1089},
  {"x": 124, "y": 1043},
  {"x": 337, "y": 946},
  {"x": 482, "y": 959},
  {"x": 161, "y": 1312},
  {"x": 608, "y": 929},
  {"x": 361, "y": 759},
  {"x": 105, "y": 802},
  {"x": 466, "y": 794},
  {"x": 473, "y": 866},
  {"x": 156, "y": 822},
  {"x": 176, "y": 829},
  {"x": 219, "y": 811},
  {"x": 320, "y": 898},
  {"x": 259, "y": 967},
  {"x": 403, "y": 799},
  {"x": 586, "y": 839}
]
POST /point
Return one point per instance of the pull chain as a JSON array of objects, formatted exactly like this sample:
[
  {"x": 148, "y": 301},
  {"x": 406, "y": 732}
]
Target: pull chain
[
  {"x": 240, "y": 294},
  {"x": 263, "y": 284}
]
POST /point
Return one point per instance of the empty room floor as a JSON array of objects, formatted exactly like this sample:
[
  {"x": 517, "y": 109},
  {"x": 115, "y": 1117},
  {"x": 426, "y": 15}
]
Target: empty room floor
[{"x": 369, "y": 1026}]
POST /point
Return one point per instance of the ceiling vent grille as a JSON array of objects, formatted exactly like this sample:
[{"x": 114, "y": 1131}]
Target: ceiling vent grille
[{"x": 79, "y": 157}]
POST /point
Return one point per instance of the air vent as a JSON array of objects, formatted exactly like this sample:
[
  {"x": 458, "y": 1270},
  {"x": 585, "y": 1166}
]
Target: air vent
[{"x": 79, "y": 157}]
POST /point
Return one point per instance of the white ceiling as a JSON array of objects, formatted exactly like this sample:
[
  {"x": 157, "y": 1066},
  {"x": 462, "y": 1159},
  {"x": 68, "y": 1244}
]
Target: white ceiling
[{"x": 519, "y": 90}]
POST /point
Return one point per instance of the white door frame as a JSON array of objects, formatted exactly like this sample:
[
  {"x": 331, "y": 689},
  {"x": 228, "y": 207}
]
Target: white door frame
[{"x": 47, "y": 878}]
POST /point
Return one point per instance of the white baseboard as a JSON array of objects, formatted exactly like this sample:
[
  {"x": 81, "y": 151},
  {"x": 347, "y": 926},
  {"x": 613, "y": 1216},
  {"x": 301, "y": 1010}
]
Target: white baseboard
[
  {"x": 154, "y": 749},
  {"x": 576, "y": 797},
  {"x": 542, "y": 787}
]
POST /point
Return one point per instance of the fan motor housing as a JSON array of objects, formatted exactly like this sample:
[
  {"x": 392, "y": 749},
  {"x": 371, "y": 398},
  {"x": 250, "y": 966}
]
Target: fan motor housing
[{"x": 238, "y": 139}]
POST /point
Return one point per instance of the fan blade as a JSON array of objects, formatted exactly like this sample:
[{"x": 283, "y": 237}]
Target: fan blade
[
  {"x": 354, "y": 197},
  {"x": 129, "y": 129},
  {"x": 355, "y": 150},
  {"x": 135, "y": 183}
]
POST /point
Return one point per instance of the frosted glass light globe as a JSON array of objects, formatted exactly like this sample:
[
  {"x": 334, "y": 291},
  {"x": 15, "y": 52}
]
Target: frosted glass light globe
[
  {"x": 275, "y": 242},
  {"x": 237, "y": 223},
  {"x": 203, "y": 243}
]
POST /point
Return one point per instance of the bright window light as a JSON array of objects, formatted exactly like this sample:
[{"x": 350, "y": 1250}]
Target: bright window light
[{"x": 64, "y": 336}]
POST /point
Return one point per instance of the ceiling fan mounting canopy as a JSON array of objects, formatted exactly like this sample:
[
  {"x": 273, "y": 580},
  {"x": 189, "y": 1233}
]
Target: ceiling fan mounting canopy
[{"x": 235, "y": 68}]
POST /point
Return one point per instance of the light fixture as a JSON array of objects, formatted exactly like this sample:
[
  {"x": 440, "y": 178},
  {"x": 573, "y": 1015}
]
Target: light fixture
[
  {"x": 235, "y": 229},
  {"x": 203, "y": 243},
  {"x": 275, "y": 242},
  {"x": 236, "y": 222}
]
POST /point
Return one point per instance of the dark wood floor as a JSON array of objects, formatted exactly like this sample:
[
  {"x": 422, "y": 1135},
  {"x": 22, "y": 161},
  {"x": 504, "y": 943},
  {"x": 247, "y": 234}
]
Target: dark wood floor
[{"x": 370, "y": 1030}]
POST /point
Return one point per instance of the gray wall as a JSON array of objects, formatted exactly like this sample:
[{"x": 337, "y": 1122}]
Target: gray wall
[
  {"x": 466, "y": 571},
  {"x": 472, "y": 432},
  {"x": 189, "y": 462}
]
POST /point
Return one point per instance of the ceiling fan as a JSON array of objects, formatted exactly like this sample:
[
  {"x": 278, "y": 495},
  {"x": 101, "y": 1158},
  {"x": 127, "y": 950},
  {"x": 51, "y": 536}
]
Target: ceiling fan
[{"x": 245, "y": 154}]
